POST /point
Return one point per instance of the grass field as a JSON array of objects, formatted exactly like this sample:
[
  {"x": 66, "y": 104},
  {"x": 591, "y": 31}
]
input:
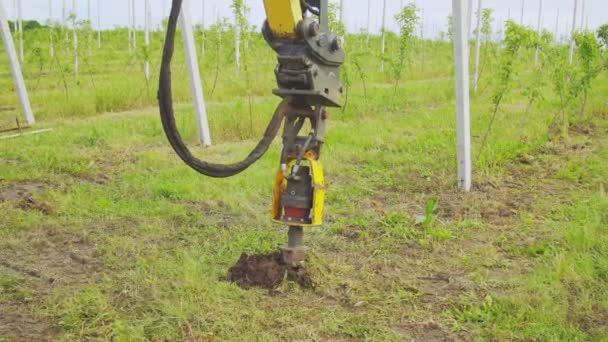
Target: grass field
[{"x": 106, "y": 235}]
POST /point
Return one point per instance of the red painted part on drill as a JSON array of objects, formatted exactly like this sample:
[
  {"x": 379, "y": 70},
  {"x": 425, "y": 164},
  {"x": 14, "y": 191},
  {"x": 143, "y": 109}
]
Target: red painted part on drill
[{"x": 297, "y": 213}]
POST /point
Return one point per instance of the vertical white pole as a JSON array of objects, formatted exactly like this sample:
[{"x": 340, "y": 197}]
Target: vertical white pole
[
  {"x": 130, "y": 26},
  {"x": 369, "y": 18},
  {"x": 572, "y": 42},
  {"x": 523, "y": 7},
  {"x": 219, "y": 32},
  {"x": 99, "y": 24},
  {"x": 540, "y": 13},
  {"x": 20, "y": 26},
  {"x": 469, "y": 19},
  {"x": 422, "y": 22},
  {"x": 477, "y": 47},
  {"x": 383, "y": 42},
  {"x": 461, "y": 60},
  {"x": 237, "y": 43},
  {"x": 557, "y": 27},
  {"x": 65, "y": 19},
  {"x": 51, "y": 29},
  {"x": 203, "y": 30},
  {"x": 9, "y": 47},
  {"x": 147, "y": 37},
  {"x": 89, "y": 29},
  {"x": 75, "y": 37},
  {"x": 134, "y": 30},
  {"x": 342, "y": 17},
  {"x": 196, "y": 85},
  {"x": 583, "y": 16}
]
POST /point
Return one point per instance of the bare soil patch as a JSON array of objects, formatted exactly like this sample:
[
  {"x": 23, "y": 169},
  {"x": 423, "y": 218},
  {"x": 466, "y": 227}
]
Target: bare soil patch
[
  {"x": 22, "y": 193},
  {"x": 426, "y": 332},
  {"x": 266, "y": 271},
  {"x": 19, "y": 325},
  {"x": 53, "y": 257}
]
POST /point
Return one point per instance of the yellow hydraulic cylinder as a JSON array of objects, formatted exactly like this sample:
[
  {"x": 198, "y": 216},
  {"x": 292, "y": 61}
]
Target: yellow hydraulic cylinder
[{"x": 283, "y": 17}]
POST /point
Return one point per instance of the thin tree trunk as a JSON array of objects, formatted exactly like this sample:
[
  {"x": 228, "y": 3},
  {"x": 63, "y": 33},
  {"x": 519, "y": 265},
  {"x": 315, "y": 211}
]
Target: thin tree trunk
[{"x": 583, "y": 104}]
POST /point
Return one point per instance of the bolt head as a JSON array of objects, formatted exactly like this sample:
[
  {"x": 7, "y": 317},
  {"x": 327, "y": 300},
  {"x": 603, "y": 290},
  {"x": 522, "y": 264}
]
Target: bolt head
[
  {"x": 314, "y": 29},
  {"x": 337, "y": 44},
  {"x": 322, "y": 40}
]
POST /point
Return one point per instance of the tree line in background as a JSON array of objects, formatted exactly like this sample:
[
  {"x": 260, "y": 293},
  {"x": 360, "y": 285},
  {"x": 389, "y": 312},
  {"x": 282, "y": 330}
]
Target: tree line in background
[{"x": 28, "y": 25}]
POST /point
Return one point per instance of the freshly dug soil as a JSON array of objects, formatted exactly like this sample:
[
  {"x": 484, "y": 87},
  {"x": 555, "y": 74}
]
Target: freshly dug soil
[
  {"x": 22, "y": 194},
  {"x": 266, "y": 271}
]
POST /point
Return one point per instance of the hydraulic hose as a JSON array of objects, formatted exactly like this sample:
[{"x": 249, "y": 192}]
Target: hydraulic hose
[{"x": 167, "y": 114}]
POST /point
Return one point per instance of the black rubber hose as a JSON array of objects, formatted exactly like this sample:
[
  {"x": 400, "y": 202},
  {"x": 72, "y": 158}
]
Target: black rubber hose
[{"x": 167, "y": 114}]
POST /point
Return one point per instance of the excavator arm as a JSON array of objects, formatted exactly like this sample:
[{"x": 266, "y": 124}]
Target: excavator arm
[
  {"x": 283, "y": 17},
  {"x": 308, "y": 80}
]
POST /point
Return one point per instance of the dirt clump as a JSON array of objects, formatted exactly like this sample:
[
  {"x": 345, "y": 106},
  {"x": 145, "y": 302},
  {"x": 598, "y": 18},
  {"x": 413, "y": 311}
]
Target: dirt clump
[
  {"x": 266, "y": 271},
  {"x": 22, "y": 193}
]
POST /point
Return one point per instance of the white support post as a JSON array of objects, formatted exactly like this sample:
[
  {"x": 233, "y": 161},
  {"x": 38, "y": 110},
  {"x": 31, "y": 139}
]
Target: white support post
[
  {"x": 369, "y": 18},
  {"x": 75, "y": 37},
  {"x": 572, "y": 42},
  {"x": 64, "y": 19},
  {"x": 134, "y": 27},
  {"x": 237, "y": 44},
  {"x": 383, "y": 42},
  {"x": 99, "y": 24},
  {"x": 51, "y": 29},
  {"x": 147, "y": 38},
  {"x": 461, "y": 62},
  {"x": 219, "y": 32},
  {"x": 523, "y": 7},
  {"x": 20, "y": 30},
  {"x": 9, "y": 47},
  {"x": 583, "y": 16},
  {"x": 342, "y": 12},
  {"x": 196, "y": 86},
  {"x": 540, "y": 13},
  {"x": 469, "y": 19},
  {"x": 557, "y": 27},
  {"x": 203, "y": 29},
  {"x": 129, "y": 26},
  {"x": 477, "y": 47},
  {"x": 89, "y": 29},
  {"x": 422, "y": 23}
]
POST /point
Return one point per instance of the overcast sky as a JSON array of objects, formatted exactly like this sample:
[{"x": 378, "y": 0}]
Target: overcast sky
[{"x": 434, "y": 12}]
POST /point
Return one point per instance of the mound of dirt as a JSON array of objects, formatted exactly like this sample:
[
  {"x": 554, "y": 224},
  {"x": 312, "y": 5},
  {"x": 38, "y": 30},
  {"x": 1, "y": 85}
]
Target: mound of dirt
[{"x": 266, "y": 271}]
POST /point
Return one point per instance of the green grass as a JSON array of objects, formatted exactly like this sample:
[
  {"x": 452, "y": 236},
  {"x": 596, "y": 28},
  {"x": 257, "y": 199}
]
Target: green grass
[
  {"x": 401, "y": 254},
  {"x": 565, "y": 297}
]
